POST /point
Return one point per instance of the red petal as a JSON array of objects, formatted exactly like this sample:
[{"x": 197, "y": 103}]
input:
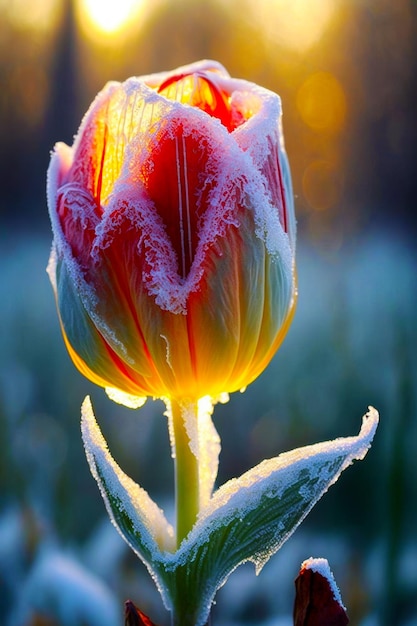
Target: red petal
[
  {"x": 175, "y": 184},
  {"x": 199, "y": 90},
  {"x": 315, "y": 604},
  {"x": 78, "y": 215},
  {"x": 273, "y": 172}
]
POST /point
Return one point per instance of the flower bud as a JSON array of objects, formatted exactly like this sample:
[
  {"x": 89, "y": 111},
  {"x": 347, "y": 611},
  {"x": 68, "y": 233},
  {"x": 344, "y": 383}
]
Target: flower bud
[
  {"x": 318, "y": 601},
  {"x": 174, "y": 234}
]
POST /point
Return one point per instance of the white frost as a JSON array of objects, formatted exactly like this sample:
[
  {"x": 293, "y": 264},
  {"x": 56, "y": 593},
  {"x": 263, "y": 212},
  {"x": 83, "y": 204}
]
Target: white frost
[
  {"x": 352, "y": 448},
  {"x": 204, "y": 441},
  {"x": 237, "y": 497},
  {"x": 205, "y": 445},
  {"x": 126, "y": 399},
  {"x": 234, "y": 176},
  {"x": 247, "y": 519},
  {"x": 321, "y": 566},
  {"x": 149, "y": 521}
]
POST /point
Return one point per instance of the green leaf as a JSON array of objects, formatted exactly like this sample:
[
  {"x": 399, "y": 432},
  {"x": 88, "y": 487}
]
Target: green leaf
[
  {"x": 136, "y": 516},
  {"x": 249, "y": 519}
]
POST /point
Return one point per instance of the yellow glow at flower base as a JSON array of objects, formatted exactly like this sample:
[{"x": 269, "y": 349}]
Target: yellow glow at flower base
[{"x": 108, "y": 17}]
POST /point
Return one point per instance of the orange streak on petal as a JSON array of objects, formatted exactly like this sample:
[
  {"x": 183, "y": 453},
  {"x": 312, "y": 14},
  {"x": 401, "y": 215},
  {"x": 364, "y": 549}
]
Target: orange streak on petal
[
  {"x": 119, "y": 375},
  {"x": 199, "y": 90},
  {"x": 101, "y": 167}
]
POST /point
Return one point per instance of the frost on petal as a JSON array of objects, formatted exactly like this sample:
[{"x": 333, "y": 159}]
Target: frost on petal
[
  {"x": 186, "y": 144},
  {"x": 92, "y": 353},
  {"x": 318, "y": 601},
  {"x": 138, "y": 519},
  {"x": 206, "y": 65},
  {"x": 98, "y": 149},
  {"x": 165, "y": 170},
  {"x": 321, "y": 566},
  {"x": 126, "y": 399},
  {"x": 119, "y": 113},
  {"x": 61, "y": 160},
  {"x": 261, "y": 137}
]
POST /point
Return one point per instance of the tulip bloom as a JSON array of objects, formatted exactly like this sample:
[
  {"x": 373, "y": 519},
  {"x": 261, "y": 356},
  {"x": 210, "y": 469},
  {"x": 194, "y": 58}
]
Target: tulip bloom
[
  {"x": 174, "y": 234},
  {"x": 174, "y": 274}
]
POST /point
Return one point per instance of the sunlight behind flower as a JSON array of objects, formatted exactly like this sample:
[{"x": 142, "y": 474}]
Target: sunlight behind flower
[
  {"x": 109, "y": 17},
  {"x": 321, "y": 105},
  {"x": 296, "y": 24}
]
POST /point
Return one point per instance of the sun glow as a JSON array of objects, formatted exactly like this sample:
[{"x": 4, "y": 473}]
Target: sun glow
[{"x": 108, "y": 17}]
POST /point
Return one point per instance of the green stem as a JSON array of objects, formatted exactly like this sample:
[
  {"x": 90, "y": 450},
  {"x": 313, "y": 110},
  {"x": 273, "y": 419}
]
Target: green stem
[{"x": 186, "y": 472}]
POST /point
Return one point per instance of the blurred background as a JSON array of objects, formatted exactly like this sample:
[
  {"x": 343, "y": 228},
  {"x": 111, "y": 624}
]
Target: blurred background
[{"x": 346, "y": 72}]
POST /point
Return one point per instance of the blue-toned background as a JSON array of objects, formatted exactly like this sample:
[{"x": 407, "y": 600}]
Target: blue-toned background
[{"x": 346, "y": 71}]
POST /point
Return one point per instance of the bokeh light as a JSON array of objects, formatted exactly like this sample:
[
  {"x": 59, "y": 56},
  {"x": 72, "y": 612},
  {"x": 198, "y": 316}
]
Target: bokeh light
[
  {"x": 321, "y": 102},
  {"x": 322, "y": 184},
  {"x": 30, "y": 14},
  {"x": 296, "y": 24}
]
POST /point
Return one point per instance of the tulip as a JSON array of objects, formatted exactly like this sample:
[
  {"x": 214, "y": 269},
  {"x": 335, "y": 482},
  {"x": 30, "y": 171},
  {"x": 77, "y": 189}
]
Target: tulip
[
  {"x": 173, "y": 266},
  {"x": 173, "y": 253},
  {"x": 174, "y": 235}
]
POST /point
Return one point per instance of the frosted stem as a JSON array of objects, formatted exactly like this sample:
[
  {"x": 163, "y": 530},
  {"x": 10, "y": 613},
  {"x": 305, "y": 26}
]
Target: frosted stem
[{"x": 186, "y": 473}]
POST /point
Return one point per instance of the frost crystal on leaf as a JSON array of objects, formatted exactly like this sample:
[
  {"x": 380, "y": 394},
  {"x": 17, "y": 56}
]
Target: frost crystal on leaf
[
  {"x": 204, "y": 442},
  {"x": 247, "y": 519},
  {"x": 146, "y": 529}
]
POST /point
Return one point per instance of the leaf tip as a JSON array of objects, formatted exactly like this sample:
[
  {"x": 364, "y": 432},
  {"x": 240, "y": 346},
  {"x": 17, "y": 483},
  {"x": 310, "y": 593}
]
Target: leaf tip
[{"x": 369, "y": 425}]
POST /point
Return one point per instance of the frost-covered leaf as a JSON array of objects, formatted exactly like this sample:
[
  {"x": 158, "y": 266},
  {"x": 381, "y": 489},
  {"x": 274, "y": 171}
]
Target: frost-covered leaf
[
  {"x": 136, "y": 516},
  {"x": 249, "y": 518}
]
